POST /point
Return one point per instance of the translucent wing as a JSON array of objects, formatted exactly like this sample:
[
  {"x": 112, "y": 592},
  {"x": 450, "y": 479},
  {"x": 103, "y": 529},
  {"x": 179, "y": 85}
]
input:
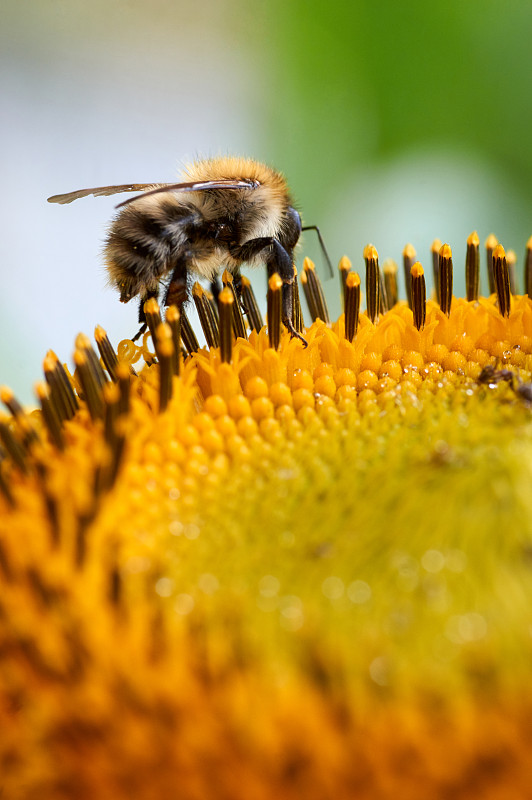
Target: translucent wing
[
  {"x": 102, "y": 190},
  {"x": 195, "y": 186}
]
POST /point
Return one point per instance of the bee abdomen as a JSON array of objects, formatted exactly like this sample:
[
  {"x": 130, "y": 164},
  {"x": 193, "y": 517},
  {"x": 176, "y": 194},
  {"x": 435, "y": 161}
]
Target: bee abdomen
[{"x": 142, "y": 247}]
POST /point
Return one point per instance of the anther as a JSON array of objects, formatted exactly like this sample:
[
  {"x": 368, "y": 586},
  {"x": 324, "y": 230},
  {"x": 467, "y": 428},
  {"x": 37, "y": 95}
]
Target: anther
[
  {"x": 165, "y": 350},
  {"x": 49, "y": 414},
  {"x": 251, "y": 307},
  {"x": 124, "y": 384},
  {"x": 502, "y": 280},
  {"x": 238, "y": 323},
  {"x": 90, "y": 384},
  {"x": 390, "y": 270},
  {"x": 445, "y": 275},
  {"x": 315, "y": 292},
  {"x": 152, "y": 312},
  {"x": 106, "y": 350},
  {"x": 275, "y": 287},
  {"x": 28, "y": 432},
  {"x": 63, "y": 396},
  {"x": 5, "y": 490},
  {"x": 206, "y": 315},
  {"x": 419, "y": 296},
  {"x": 83, "y": 343},
  {"x": 188, "y": 337},
  {"x": 351, "y": 305},
  {"x": 472, "y": 266},
  {"x": 173, "y": 319},
  {"x": 226, "y": 304},
  {"x": 371, "y": 258},
  {"x": 344, "y": 268},
  {"x": 13, "y": 447},
  {"x": 528, "y": 268}
]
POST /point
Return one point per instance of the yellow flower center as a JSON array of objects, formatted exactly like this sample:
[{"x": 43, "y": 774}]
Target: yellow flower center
[{"x": 253, "y": 571}]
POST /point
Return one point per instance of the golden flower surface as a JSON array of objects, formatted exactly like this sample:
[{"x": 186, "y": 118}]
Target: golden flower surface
[{"x": 296, "y": 572}]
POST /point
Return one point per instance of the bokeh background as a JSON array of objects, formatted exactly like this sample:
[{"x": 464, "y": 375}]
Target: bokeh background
[{"x": 393, "y": 122}]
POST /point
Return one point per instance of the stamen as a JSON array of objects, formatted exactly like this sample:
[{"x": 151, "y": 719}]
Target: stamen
[
  {"x": 153, "y": 316},
  {"x": 308, "y": 297},
  {"x": 8, "y": 495},
  {"x": 251, "y": 307},
  {"x": 29, "y": 434},
  {"x": 511, "y": 261},
  {"x": 89, "y": 379},
  {"x": 409, "y": 257},
  {"x": 114, "y": 431},
  {"x": 502, "y": 280},
  {"x": 10, "y": 401},
  {"x": 490, "y": 244},
  {"x": 115, "y": 586},
  {"x": 445, "y": 274},
  {"x": 213, "y": 304},
  {"x": 226, "y": 303},
  {"x": 528, "y": 268},
  {"x": 50, "y": 417},
  {"x": 188, "y": 336},
  {"x": 275, "y": 287},
  {"x": 111, "y": 396},
  {"x": 107, "y": 352},
  {"x": 297, "y": 311},
  {"x": 124, "y": 384},
  {"x": 84, "y": 344},
  {"x": 351, "y": 305},
  {"x": 238, "y": 323},
  {"x": 435, "y": 250},
  {"x": 390, "y": 270},
  {"x": 13, "y": 447},
  {"x": 63, "y": 396},
  {"x": 419, "y": 298},
  {"x": 165, "y": 351},
  {"x": 472, "y": 266},
  {"x": 207, "y": 319},
  {"x": 372, "y": 282},
  {"x": 173, "y": 318},
  {"x": 344, "y": 267},
  {"x": 315, "y": 291}
]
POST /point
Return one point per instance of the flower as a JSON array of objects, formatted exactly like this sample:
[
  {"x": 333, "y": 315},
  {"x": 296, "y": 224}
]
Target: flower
[{"x": 275, "y": 570}]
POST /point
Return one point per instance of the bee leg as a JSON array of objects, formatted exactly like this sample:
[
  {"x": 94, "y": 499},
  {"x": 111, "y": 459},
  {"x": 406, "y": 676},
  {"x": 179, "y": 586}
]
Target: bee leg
[
  {"x": 176, "y": 291},
  {"x": 216, "y": 288},
  {"x": 279, "y": 260},
  {"x": 237, "y": 284},
  {"x": 237, "y": 281}
]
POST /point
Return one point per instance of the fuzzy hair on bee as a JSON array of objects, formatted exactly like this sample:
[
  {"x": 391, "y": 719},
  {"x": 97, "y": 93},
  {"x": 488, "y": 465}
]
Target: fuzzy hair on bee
[{"x": 223, "y": 213}]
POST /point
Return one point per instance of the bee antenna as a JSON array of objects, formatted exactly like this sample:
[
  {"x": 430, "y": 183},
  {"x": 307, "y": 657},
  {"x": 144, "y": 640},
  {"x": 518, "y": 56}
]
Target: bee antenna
[{"x": 322, "y": 245}]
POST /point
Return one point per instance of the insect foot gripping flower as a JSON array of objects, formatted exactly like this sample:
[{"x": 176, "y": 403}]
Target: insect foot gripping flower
[{"x": 269, "y": 570}]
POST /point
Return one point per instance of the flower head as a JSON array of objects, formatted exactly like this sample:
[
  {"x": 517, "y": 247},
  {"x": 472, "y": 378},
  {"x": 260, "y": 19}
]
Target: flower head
[{"x": 269, "y": 569}]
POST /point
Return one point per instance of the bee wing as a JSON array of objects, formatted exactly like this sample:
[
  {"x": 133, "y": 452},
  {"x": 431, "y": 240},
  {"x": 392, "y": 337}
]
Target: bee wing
[
  {"x": 101, "y": 190},
  {"x": 195, "y": 186}
]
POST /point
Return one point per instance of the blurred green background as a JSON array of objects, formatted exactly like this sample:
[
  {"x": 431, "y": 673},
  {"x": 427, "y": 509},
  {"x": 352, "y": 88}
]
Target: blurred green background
[{"x": 393, "y": 122}]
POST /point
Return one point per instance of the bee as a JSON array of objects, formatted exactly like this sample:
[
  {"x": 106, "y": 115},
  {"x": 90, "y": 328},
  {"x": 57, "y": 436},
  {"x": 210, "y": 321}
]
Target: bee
[{"x": 223, "y": 213}]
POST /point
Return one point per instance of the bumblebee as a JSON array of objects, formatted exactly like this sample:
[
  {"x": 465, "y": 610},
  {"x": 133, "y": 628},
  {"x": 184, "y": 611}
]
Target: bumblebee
[{"x": 224, "y": 212}]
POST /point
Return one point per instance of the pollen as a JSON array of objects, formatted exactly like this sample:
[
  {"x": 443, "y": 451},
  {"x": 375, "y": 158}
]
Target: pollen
[{"x": 274, "y": 567}]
